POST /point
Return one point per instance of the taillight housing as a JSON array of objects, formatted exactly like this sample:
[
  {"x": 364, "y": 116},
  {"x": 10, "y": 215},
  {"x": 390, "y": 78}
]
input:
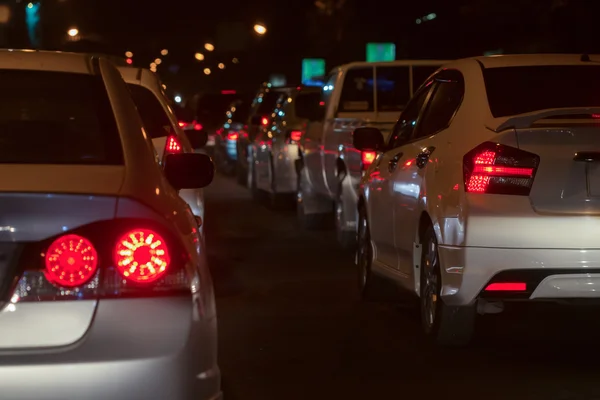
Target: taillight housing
[
  {"x": 295, "y": 136},
  {"x": 367, "y": 158},
  {"x": 173, "y": 146},
  {"x": 493, "y": 168},
  {"x": 264, "y": 121},
  {"x": 109, "y": 259},
  {"x": 233, "y": 136}
]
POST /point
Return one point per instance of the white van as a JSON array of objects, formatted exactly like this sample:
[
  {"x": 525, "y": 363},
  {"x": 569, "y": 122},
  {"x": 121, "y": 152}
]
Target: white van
[{"x": 329, "y": 169}]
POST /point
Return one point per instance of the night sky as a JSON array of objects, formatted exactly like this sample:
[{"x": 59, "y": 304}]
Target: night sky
[{"x": 297, "y": 30}]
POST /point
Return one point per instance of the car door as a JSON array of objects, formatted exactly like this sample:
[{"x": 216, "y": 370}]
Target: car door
[
  {"x": 409, "y": 185},
  {"x": 381, "y": 192}
]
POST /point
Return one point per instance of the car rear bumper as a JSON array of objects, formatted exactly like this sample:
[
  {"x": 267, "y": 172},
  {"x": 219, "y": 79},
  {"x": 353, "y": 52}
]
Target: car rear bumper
[
  {"x": 286, "y": 177},
  {"x": 135, "y": 349},
  {"x": 547, "y": 274}
]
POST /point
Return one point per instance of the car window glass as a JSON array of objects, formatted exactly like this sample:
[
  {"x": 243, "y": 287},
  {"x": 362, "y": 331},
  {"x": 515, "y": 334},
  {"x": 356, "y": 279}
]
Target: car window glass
[
  {"x": 357, "y": 92},
  {"x": 393, "y": 90},
  {"x": 408, "y": 119},
  {"x": 155, "y": 119},
  {"x": 420, "y": 73},
  {"x": 49, "y": 117},
  {"x": 444, "y": 103}
]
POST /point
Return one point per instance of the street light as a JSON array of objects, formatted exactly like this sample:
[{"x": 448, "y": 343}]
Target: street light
[
  {"x": 178, "y": 99},
  {"x": 209, "y": 47},
  {"x": 157, "y": 61},
  {"x": 260, "y": 29},
  {"x": 207, "y": 71},
  {"x": 235, "y": 60},
  {"x": 73, "y": 32},
  {"x": 164, "y": 52},
  {"x": 221, "y": 66},
  {"x": 128, "y": 54},
  {"x": 199, "y": 56}
]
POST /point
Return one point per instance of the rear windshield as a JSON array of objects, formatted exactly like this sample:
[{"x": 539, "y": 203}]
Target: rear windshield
[
  {"x": 264, "y": 105},
  {"x": 56, "y": 118},
  {"x": 393, "y": 89},
  {"x": 155, "y": 119},
  {"x": 518, "y": 90},
  {"x": 211, "y": 107}
]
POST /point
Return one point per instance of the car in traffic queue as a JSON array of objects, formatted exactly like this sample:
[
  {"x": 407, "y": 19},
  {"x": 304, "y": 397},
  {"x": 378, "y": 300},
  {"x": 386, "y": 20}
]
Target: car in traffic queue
[
  {"x": 487, "y": 191},
  {"x": 354, "y": 95},
  {"x": 274, "y": 152},
  {"x": 259, "y": 118},
  {"x": 162, "y": 125},
  {"x": 227, "y": 136},
  {"x": 105, "y": 290}
]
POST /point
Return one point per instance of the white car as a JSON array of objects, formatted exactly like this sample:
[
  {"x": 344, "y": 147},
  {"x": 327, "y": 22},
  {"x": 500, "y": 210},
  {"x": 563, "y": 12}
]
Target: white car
[
  {"x": 105, "y": 292},
  {"x": 160, "y": 123},
  {"x": 487, "y": 191}
]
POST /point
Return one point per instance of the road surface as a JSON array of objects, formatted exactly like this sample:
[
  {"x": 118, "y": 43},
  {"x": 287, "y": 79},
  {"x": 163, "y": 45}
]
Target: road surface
[{"x": 292, "y": 326}]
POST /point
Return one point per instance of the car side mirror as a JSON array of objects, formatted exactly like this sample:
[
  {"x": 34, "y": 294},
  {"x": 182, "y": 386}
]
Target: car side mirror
[
  {"x": 198, "y": 139},
  {"x": 189, "y": 170},
  {"x": 368, "y": 139}
]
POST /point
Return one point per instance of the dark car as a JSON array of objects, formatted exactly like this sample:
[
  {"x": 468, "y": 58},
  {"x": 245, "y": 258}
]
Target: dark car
[{"x": 233, "y": 128}]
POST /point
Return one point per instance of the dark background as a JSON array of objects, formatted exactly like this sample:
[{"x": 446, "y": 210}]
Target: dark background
[{"x": 298, "y": 29}]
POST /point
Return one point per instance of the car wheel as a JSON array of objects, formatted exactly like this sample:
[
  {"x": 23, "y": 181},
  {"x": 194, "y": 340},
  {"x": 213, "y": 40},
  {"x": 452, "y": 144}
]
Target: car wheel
[
  {"x": 346, "y": 239},
  {"x": 371, "y": 286},
  {"x": 445, "y": 325}
]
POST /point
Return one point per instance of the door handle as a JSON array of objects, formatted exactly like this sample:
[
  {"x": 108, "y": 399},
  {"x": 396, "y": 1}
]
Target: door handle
[
  {"x": 423, "y": 157},
  {"x": 394, "y": 162}
]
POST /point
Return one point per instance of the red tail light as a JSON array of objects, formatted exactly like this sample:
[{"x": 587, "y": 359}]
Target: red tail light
[
  {"x": 367, "y": 158},
  {"x": 108, "y": 259},
  {"x": 173, "y": 146},
  {"x": 182, "y": 124},
  {"x": 295, "y": 136},
  {"x": 264, "y": 121},
  {"x": 493, "y": 168},
  {"x": 197, "y": 127},
  {"x": 506, "y": 287},
  {"x": 233, "y": 136},
  {"x": 141, "y": 256},
  {"x": 71, "y": 261}
]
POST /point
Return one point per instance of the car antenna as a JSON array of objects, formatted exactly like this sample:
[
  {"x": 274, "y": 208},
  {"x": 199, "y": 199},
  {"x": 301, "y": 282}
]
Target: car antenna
[{"x": 585, "y": 58}]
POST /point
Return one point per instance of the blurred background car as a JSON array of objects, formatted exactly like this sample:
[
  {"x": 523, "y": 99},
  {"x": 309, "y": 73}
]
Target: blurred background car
[
  {"x": 275, "y": 150},
  {"x": 226, "y": 138}
]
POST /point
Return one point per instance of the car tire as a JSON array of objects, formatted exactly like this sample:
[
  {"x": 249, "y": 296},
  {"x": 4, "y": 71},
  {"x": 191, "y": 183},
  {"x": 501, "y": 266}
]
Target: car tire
[
  {"x": 445, "y": 325},
  {"x": 371, "y": 287},
  {"x": 346, "y": 239}
]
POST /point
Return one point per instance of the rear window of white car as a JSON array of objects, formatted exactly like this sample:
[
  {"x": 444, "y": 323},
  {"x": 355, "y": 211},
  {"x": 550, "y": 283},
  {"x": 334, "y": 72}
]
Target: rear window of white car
[
  {"x": 56, "y": 118},
  {"x": 518, "y": 90},
  {"x": 155, "y": 119}
]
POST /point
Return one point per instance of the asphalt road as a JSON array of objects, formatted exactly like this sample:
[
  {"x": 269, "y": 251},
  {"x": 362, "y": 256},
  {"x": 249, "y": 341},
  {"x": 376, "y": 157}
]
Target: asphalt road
[{"x": 292, "y": 326}]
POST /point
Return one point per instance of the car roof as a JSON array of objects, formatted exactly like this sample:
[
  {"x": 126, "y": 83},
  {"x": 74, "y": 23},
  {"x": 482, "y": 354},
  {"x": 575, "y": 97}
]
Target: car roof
[
  {"x": 517, "y": 60},
  {"x": 38, "y": 60}
]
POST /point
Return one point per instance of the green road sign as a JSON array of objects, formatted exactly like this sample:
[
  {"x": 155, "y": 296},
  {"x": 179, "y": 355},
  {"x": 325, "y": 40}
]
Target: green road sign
[
  {"x": 381, "y": 52},
  {"x": 311, "y": 68}
]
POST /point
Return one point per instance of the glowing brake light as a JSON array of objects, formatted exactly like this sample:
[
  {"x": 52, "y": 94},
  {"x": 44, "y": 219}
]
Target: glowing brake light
[
  {"x": 141, "y": 256},
  {"x": 173, "y": 146},
  {"x": 71, "y": 261},
  {"x": 493, "y": 168},
  {"x": 264, "y": 121},
  {"x": 367, "y": 158},
  {"x": 232, "y": 136},
  {"x": 182, "y": 124},
  {"x": 197, "y": 127},
  {"x": 506, "y": 287},
  {"x": 296, "y": 136}
]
